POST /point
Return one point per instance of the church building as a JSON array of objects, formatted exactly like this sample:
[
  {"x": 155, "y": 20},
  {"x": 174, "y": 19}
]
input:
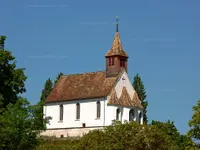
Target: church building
[{"x": 82, "y": 102}]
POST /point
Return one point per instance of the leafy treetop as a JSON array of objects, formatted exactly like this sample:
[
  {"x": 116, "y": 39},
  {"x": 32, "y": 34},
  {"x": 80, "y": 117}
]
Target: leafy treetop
[{"x": 11, "y": 78}]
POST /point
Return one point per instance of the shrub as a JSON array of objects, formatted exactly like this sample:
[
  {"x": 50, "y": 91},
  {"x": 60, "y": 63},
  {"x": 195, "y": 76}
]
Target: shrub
[{"x": 127, "y": 136}]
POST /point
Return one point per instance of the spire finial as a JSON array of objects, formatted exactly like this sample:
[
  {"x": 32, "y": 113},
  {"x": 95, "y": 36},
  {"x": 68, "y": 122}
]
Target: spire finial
[{"x": 117, "y": 20}]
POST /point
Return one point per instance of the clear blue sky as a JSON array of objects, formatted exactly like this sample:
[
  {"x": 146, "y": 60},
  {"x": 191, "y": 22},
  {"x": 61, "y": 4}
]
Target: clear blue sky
[{"x": 162, "y": 39}]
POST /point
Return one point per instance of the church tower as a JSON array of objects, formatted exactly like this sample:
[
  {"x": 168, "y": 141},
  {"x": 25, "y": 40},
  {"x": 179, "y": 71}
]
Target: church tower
[{"x": 116, "y": 57}]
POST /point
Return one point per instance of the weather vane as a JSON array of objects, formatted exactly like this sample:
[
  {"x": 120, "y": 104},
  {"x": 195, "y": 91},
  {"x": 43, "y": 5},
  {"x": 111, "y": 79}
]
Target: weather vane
[{"x": 117, "y": 20}]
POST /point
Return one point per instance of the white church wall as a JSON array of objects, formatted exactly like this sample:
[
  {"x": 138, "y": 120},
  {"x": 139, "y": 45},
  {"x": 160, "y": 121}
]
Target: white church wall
[
  {"x": 125, "y": 116},
  {"x": 124, "y": 82},
  {"x": 88, "y": 114},
  {"x": 75, "y": 132},
  {"x": 111, "y": 111},
  {"x": 136, "y": 114},
  {"x": 110, "y": 114}
]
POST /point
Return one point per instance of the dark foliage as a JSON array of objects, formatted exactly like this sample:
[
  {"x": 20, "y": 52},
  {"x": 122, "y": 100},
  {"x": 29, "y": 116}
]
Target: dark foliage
[{"x": 139, "y": 88}]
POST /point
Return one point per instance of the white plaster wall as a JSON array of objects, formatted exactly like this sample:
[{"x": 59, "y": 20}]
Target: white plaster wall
[
  {"x": 124, "y": 83},
  {"x": 136, "y": 112},
  {"x": 125, "y": 116},
  {"x": 111, "y": 114},
  {"x": 88, "y": 110},
  {"x": 68, "y": 132}
]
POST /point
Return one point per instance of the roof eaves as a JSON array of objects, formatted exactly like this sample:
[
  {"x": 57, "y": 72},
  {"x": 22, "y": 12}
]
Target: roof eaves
[{"x": 69, "y": 100}]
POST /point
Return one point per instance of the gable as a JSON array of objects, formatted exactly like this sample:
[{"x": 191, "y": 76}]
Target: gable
[
  {"x": 123, "y": 93},
  {"x": 124, "y": 81}
]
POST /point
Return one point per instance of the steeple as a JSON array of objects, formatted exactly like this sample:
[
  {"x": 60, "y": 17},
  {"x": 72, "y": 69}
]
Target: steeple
[
  {"x": 116, "y": 57},
  {"x": 116, "y": 48}
]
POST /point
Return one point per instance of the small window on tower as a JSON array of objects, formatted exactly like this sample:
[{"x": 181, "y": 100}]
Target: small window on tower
[
  {"x": 122, "y": 62},
  {"x": 109, "y": 61},
  {"x": 113, "y": 61}
]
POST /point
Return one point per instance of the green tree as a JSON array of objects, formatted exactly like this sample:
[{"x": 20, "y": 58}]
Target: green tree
[
  {"x": 45, "y": 92},
  {"x": 11, "y": 78},
  {"x": 2, "y": 41},
  {"x": 181, "y": 141},
  {"x": 19, "y": 129},
  {"x": 139, "y": 88},
  {"x": 47, "y": 89},
  {"x": 194, "y": 124},
  {"x": 58, "y": 77},
  {"x": 128, "y": 136},
  {"x": 19, "y": 120}
]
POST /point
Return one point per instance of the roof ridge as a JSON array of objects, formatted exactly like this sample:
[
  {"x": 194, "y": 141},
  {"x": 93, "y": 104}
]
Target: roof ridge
[{"x": 83, "y": 73}]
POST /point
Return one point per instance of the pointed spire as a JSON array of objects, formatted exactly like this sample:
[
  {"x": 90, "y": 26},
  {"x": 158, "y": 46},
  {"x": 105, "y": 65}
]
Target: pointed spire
[{"x": 116, "y": 48}]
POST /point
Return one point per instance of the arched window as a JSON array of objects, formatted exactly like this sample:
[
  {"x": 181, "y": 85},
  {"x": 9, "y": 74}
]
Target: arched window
[
  {"x": 77, "y": 111},
  {"x": 131, "y": 115},
  {"x": 117, "y": 114},
  {"x": 61, "y": 112},
  {"x": 140, "y": 118},
  {"x": 98, "y": 109}
]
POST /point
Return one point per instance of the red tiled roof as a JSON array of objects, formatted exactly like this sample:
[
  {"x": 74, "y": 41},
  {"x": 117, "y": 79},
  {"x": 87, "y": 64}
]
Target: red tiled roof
[
  {"x": 125, "y": 99},
  {"x": 81, "y": 86},
  {"x": 113, "y": 98},
  {"x": 137, "y": 100}
]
